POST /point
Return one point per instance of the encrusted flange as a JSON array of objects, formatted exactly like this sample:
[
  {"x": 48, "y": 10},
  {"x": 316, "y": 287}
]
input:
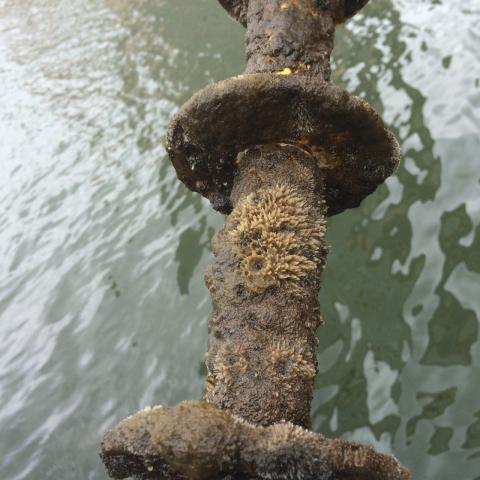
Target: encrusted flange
[
  {"x": 354, "y": 150},
  {"x": 198, "y": 441}
]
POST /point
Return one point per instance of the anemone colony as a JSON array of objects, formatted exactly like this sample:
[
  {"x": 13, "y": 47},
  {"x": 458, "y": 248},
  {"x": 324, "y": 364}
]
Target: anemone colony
[
  {"x": 278, "y": 149},
  {"x": 275, "y": 239}
]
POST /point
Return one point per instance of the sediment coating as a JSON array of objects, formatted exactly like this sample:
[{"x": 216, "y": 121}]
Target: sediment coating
[
  {"x": 343, "y": 9},
  {"x": 278, "y": 149},
  {"x": 198, "y": 441},
  {"x": 352, "y": 146},
  {"x": 290, "y": 36},
  {"x": 264, "y": 286},
  {"x": 284, "y": 96}
]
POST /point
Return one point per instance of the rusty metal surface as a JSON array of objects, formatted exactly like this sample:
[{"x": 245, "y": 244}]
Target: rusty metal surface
[
  {"x": 296, "y": 36},
  {"x": 264, "y": 285},
  {"x": 344, "y": 8},
  {"x": 198, "y": 441},
  {"x": 278, "y": 148},
  {"x": 342, "y": 131}
]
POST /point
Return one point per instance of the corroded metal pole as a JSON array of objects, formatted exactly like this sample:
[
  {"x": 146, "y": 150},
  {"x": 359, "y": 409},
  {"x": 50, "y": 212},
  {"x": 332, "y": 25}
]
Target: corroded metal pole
[
  {"x": 278, "y": 149},
  {"x": 264, "y": 286}
]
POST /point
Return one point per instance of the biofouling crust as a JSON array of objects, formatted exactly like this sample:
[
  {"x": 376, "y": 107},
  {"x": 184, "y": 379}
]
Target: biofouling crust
[
  {"x": 345, "y": 135},
  {"x": 343, "y": 9},
  {"x": 264, "y": 286},
  {"x": 282, "y": 148},
  {"x": 198, "y": 441},
  {"x": 275, "y": 239}
]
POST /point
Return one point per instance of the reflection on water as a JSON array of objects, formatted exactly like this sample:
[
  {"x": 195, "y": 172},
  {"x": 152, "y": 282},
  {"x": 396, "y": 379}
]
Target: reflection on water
[{"x": 102, "y": 304}]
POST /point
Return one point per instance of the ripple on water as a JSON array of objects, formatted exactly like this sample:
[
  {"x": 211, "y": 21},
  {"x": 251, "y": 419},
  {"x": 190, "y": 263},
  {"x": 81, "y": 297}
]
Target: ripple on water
[{"x": 102, "y": 303}]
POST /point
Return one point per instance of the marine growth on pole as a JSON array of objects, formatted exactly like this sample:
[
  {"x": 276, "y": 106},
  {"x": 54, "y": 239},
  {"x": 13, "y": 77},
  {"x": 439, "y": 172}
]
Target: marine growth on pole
[{"x": 278, "y": 149}]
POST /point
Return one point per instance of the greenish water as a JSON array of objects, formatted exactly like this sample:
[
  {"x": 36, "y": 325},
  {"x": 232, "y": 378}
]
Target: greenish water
[{"x": 103, "y": 309}]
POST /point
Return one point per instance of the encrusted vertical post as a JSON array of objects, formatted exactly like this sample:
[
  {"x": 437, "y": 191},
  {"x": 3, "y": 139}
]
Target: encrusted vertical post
[
  {"x": 278, "y": 149},
  {"x": 264, "y": 286}
]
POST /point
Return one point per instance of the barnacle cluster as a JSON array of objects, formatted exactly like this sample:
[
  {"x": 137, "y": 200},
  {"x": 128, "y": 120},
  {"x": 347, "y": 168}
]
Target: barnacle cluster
[
  {"x": 290, "y": 362},
  {"x": 276, "y": 238}
]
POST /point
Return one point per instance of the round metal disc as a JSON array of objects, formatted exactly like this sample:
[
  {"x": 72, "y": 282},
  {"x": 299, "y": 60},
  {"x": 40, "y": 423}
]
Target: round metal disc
[{"x": 355, "y": 151}]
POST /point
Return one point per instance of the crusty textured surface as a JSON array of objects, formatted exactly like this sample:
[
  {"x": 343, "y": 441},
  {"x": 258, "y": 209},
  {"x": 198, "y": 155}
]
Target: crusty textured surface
[
  {"x": 264, "y": 286},
  {"x": 319, "y": 151},
  {"x": 344, "y": 9},
  {"x": 283, "y": 97},
  {"x": 198, "y": 441},
  {"x": 346, "y": 136},
  {"x": 296, "y": 35}
]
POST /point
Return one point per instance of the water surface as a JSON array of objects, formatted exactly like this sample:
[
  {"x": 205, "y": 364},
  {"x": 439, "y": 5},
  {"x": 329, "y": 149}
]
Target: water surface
[{"x": 103, "y": 309}]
